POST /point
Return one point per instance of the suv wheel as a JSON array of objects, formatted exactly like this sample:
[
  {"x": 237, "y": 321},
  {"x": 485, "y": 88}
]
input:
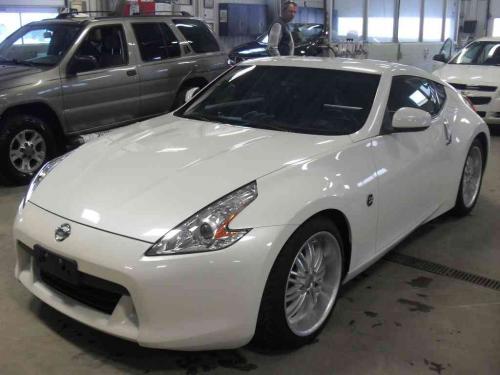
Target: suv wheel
[
  {"x": 26, "y": 144},
  {"x": 180, "y": 98}
]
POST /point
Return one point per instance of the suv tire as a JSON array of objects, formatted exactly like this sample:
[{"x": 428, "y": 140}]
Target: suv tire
[{"x": 26, "y": 144}]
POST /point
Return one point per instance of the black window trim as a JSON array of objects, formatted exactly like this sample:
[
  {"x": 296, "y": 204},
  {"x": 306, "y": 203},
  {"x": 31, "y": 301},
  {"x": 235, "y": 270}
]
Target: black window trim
[
  {"x": 163, "y": 38},
  {"x": 387, "y": 128}
]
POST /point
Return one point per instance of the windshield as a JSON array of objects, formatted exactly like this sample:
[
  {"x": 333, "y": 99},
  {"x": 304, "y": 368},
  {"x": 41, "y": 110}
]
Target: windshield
[
  {"x": 301, "y": 33},
  {"x": 479, "y": 53},
  {"x": 291, "y": 99},
  {"x": 38, "y": 44}
]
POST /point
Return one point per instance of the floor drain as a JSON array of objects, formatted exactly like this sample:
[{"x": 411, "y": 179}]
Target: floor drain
[{"x": 440, "y": 269}]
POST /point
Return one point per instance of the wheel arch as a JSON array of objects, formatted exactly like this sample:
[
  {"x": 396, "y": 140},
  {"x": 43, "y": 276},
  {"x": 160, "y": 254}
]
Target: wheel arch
[
  {"x": 342, "y": 223},
  {"x": 45, "y": 112},
  {"x": 484, "y": 142}
]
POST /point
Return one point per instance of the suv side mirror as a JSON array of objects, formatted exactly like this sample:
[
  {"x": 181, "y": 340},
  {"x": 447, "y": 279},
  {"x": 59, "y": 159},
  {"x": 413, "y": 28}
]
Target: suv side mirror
[
  {"x": 410, "y": 120},
  {"x": 82, "y": 63},
  {"x": 440, "y": 57}
]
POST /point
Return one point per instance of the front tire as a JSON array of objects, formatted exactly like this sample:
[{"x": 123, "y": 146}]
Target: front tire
[
  {"x": 470, "y": 183},
  {"x": 302, "y": 287},
  {"x": 26, "y": 144}
]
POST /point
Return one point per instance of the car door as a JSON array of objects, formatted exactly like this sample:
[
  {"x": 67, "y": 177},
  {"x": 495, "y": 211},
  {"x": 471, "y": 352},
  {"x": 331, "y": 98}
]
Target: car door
[
  {"x": 100, "y": 84},
  {"x": 410, "y": 165},
  {"x": 162, "y": 66}
]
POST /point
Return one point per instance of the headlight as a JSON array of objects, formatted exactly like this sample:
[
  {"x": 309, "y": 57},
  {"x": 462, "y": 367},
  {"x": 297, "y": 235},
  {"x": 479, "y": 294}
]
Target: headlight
[
  {"x": 42, "y": 173},
  {"x": 208, "y": 230}
]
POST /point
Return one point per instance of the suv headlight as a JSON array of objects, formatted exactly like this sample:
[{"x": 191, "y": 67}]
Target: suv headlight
[
  {"x": 42, "y": 173},
  {"x": 208, "y": 229}
]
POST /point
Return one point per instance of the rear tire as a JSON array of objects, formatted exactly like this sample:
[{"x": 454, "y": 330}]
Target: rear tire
[
  {"x": 26, "y": 144},
  {"x": 471, "y": 180},
  {"x": 297, "y": 303},
  {"x": 180, "y": 98}
]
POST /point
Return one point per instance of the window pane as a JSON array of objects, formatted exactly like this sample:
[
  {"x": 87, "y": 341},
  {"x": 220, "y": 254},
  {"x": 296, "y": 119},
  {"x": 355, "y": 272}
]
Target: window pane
[
  {"x": 496, "y": 27},
  {"x": 433, "y": 20},
  {"x": 380, "y": 20},
  {"x": 451, "y": 19},
  {"x": 318, "y": 101},
  {"x": 413, "y": 92},
  {"x": 105, "y": 46},
  {"x": 156, "y": 41},
  {"x": 409, "y": 21},
  {"x": 349, "y": 20},
  {"x": 9, "y": 22},
  {"x": 41, "y": 44},
  {"x": 198, "y": 35}
]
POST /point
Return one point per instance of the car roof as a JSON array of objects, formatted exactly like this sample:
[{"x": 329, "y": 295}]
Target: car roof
[
  {"x": 83, "y": 20},
  {"x": 351, "y": 65}
]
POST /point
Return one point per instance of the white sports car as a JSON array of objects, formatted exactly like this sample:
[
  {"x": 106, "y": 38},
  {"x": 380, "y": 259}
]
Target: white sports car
[{"x": 240, "y": 215}]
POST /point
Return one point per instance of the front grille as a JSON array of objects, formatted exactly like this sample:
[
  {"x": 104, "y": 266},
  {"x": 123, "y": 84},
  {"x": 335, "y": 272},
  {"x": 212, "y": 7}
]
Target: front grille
[
  {"x": 462, "y": 86},
  {"x": 92, "y": 291},
  {"x": 481, "y": 113},
  {"x": 479, "y": 100}
]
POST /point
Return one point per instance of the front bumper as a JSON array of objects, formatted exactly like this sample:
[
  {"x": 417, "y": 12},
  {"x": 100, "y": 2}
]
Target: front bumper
[{"x": 186, "y": 302}]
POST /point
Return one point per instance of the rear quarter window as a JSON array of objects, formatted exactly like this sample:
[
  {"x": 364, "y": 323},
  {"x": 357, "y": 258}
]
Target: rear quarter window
[{"x": 198, "y": 35}]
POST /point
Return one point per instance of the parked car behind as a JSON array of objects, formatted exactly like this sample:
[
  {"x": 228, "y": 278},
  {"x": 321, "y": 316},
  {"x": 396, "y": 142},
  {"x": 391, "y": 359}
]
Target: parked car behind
[
  {"x": 475, "y": 72},
  {"x": 62, "y": 78},
  {"x": 305, "y": 36}
]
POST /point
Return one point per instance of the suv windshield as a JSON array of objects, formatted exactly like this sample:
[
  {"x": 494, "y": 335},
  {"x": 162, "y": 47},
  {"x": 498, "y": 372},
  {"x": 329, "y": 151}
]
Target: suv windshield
[
  {"x": 300, "y": 100},
  {"x": 479, "y": 53},
  {"x": 301, "y": 33},
  {"x": 38, "y": 44}
]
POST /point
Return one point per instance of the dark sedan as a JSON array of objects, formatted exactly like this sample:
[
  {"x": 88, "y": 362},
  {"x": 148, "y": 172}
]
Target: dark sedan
[{"x": 305, "y": 36}]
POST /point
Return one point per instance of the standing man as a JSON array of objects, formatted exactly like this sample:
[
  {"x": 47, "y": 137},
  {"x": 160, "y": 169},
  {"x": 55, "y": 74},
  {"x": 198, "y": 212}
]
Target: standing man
[{"x": 280, "y": 41}]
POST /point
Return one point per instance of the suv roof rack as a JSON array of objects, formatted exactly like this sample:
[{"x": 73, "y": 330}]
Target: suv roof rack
[
  {"x": 161, "y": 12},
  {"x": 75, "y": 13}
]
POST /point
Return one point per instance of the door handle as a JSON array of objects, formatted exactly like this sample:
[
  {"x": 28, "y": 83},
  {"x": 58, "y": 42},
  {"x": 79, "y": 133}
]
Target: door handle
[
  {"x": 131, "y": 72},
  {"x": 447, "y": 132}
]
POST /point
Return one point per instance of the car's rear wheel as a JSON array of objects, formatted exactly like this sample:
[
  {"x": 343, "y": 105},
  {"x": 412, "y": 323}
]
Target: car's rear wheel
[
  {"x": 302, "y": 287},
  {"x": 470, "y": 183},
  {"x": 26, "y": 144},
  {"x": 180, "y": 98}
]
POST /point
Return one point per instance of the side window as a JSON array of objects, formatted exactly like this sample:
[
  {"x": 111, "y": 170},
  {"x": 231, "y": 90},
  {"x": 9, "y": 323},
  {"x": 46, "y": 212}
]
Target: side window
[
  {"x": 414, "y": 92},
  {"x": 198, "y": 35},
  {"x": 156, "y": 41},
  {"x": 103, "y": 47}
]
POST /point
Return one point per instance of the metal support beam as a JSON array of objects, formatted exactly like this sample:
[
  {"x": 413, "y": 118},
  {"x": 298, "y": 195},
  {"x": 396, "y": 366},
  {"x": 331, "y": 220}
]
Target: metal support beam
[
  {"x": 422, "y": 15},
  {"x": 395, "y": 29}
]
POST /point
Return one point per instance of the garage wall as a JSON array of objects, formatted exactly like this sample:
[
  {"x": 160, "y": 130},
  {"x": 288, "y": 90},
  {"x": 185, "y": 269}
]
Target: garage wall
[{"x": 417, "y": 54}]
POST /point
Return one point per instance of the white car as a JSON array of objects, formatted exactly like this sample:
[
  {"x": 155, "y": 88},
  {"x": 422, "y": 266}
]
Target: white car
[
  {"x": 240, "y": 215},
  {"x": 475, "y": 71}
]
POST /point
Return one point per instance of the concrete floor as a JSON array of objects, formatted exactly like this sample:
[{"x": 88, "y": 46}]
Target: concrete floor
[{"x": 391, "y": 320}]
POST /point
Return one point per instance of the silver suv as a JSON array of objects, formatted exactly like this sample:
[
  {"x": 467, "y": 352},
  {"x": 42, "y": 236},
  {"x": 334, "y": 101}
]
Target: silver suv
[{"x": 63, "y": 78}]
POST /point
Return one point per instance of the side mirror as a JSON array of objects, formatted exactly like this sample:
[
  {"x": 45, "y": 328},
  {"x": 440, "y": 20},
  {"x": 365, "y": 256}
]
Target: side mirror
[
  {"x": 440, "y": 57},
  {"x": 190, "y": 93},
  {"x": 81, "y": 64},
  {"x": 410, "y": 120}
]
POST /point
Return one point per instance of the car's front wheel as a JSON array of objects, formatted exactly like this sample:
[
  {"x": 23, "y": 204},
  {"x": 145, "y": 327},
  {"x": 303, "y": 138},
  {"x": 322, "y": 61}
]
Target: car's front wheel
[
  {"x": 470, "y": 183},
  {"x": 26, "y": 143},
  {"x": 302, "y": 287}
]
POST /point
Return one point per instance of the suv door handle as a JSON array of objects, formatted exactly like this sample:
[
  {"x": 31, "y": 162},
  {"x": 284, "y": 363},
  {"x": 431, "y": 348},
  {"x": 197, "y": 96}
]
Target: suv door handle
[
  {"x": 447, "y": 132},
  {"x": 131, "y": 72}
]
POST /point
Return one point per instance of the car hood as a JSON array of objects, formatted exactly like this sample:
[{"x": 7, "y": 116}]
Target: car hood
[
  {"x": 16, "y": 75},
  {"x": 146, "y": 179},
  {"x": 470, "y": 74}
]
